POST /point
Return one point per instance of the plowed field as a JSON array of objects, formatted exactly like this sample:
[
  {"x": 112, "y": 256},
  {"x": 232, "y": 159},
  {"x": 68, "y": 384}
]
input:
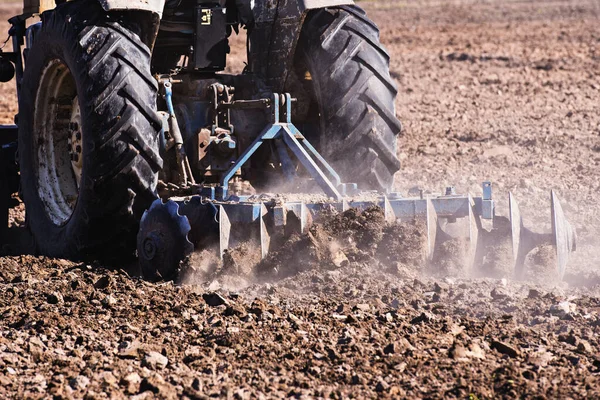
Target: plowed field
[{"x": 507, "y": 91}]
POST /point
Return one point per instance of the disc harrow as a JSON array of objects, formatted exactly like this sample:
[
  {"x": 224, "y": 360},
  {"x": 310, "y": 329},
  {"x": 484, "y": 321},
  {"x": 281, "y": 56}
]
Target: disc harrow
[{"x": 221, "y": 225}]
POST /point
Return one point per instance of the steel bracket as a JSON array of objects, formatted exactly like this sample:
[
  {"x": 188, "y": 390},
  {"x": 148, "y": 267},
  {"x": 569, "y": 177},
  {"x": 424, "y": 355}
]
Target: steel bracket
[
  {"x": 487, "y": 204},
  {"x": 290, "y": 136}
]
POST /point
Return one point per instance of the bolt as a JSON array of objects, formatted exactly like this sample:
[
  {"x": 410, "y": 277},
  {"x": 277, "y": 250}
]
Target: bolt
[
  {"x": 149, "y": 248},
  {"x": 78, "y": 135},
  {"x": 75, "y": 157}
]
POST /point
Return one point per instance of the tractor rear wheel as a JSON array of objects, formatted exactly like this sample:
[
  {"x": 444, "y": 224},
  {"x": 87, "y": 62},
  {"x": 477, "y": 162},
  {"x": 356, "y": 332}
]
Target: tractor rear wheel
[
  {"x": 345, "y": 71},
  {"x": 88, "y": 134}
]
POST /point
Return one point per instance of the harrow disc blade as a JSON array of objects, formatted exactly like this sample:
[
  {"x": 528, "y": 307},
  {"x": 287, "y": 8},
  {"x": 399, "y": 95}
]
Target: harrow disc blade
[
  {"x": 162, "y": 241},
  {"x": 516, "y": 225},
  {"x": 562, "y": 238},
  {"x": 264, "y": 237},
  {"x": 563, "y": 235},
  {"x": 432, "y": 229},
  {"x": 474, "y": 228},
  {"x": 388, "y": 211},
  {"x": 224, "y": 230}
]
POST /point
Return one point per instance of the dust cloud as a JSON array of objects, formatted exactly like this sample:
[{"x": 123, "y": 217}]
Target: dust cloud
[{"x": 364, "y": 241}]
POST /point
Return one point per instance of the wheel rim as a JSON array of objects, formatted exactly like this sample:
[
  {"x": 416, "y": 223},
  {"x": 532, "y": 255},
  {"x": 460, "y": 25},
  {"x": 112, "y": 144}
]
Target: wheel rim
[{"x": 58, "y": 137}]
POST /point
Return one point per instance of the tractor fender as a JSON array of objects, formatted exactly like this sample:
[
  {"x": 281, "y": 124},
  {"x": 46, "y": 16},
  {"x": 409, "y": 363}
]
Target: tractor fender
[
  {"x": 148, "y": 22},
  {"x": 155, "y": 6},
  {"x": 274, "y": 30}
]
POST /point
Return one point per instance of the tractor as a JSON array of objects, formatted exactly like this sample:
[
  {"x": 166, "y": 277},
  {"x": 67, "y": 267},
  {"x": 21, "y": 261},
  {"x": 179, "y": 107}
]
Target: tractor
[{"x": 131, "y": 139}]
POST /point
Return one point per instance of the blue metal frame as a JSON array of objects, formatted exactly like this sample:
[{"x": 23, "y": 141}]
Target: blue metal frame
[
  {"x": 308, "y": 156},
  {"x": 266, "y": 218}
]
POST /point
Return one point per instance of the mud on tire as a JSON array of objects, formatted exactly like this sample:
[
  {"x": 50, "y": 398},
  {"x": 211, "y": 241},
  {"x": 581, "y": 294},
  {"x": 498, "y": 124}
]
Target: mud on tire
[
  {"x": 346, "y": 71},
  {"x": 108, "y": 78}
]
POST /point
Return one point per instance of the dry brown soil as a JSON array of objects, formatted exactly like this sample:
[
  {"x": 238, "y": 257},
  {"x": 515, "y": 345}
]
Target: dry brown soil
[{"x": 500, "y": 90}]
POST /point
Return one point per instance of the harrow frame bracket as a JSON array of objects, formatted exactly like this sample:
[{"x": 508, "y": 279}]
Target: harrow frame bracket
[{"x": 309, "y": 157}]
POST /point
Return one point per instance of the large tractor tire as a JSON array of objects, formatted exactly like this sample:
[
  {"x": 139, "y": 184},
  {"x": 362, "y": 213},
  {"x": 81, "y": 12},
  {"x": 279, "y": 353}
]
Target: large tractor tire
[
  {"x": 88, "y": 134},
  {"x": 346, "y": 74}
]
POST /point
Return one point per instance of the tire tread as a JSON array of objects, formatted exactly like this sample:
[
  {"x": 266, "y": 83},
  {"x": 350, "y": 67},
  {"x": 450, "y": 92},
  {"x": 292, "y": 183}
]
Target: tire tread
[{"x": 355, "y": 93}]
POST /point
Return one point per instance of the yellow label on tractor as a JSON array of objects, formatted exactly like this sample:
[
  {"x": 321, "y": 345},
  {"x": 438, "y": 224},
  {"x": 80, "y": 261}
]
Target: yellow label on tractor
[{"x": 206, "y": 16}]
